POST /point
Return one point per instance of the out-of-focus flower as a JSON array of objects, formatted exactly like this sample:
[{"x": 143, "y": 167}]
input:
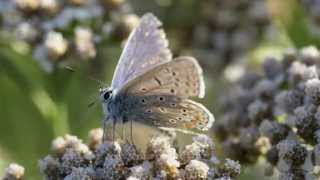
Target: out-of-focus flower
[
  {"x": 84, "y": 43},
  {"x": 65, "y": 29},
  {"x": 281, "y": 109},
  {"x": 27, "y": 5},
  {"x": 124, "y": 24},
  {"x": 13, "y": 172},
  {"x": 95, "y": 138},
  {"x": 26, "y": 32},
  {"x": 112, "y": 4},
  {"x": 224, "y": 31},
  {"x": 122, "y": 160},
  {"x": 56, "y": 45},
  {"x": 50, "y": 7}
]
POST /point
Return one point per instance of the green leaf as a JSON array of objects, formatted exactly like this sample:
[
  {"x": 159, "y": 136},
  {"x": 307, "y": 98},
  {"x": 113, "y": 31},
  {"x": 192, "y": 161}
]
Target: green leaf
[{"x": 293, "y": 20}]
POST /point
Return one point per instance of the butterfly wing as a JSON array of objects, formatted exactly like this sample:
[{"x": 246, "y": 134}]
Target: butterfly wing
[
  {"x": 181, "y": 77},
  {"x": 146, "y": 48},
  {"x": 159, "y": 97},
  {"x": 173, "y": 113}
]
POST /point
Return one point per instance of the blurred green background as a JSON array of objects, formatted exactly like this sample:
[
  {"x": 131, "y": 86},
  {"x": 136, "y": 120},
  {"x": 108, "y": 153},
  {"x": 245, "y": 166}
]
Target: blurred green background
[{"x": 37, "y": 106}]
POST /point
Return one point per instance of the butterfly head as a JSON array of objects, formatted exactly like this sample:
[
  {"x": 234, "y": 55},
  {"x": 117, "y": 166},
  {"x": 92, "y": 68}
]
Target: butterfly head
[{"x": 106, "y": 94}]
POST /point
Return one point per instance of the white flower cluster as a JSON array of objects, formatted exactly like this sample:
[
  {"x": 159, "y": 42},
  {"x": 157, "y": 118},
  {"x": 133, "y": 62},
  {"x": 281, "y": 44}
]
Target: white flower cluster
[{"x": 71, "y": 159}]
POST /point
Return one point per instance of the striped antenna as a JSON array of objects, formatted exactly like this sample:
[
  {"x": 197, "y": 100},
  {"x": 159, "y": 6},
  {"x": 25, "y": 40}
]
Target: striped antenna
[{"x": 101, "y": 84}]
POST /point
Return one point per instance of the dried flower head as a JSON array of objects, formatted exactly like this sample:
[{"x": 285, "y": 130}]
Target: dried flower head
[
  {"x": 122, "y": 160},
  {"x": 13, "y": 172},
  {"x": 95, "y": 138},
  {"x": 196, "y": 170},
  {"x": 283, "y": 108}
]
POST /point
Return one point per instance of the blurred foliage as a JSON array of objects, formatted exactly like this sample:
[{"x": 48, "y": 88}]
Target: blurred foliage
[
  {"x": 294, "y": 22},
  {"x": 36, "y": 106}
]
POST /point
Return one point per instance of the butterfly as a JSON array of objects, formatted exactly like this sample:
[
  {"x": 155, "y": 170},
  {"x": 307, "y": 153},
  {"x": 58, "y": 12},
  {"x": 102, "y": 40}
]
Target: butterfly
[{"x": 151, "y": 87}]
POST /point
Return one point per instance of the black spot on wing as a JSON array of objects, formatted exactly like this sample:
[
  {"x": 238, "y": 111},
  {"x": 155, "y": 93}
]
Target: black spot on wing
[{"x": 158, "y": 81}]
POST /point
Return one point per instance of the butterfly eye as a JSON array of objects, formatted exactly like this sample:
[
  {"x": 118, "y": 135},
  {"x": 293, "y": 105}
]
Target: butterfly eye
[{"x": 107, "y": 95}]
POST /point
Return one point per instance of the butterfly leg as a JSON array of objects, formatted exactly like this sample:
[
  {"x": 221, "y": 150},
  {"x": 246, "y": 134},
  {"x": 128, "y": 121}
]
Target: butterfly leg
[
  {"x": 105, "y": 121},
  {"x": 123, "y": 129},
  {"x": 131, "y": 131},
  {"x": 113, "y": 129}
]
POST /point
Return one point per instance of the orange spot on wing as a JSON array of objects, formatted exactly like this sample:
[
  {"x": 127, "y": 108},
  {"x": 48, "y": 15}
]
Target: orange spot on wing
[{"x": 193, "y": 123}]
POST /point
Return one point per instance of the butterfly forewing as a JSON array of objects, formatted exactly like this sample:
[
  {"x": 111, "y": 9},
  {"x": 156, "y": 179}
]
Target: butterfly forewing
[
  {"x": 159, "y": 97},
  {"x": 147, "y": 47},
  {"x": 181, "y": 77}
]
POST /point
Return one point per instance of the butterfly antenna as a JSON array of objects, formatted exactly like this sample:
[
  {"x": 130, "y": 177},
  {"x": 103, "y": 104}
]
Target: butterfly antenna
[
  {"x": 92, "y": 103},
  {"x": 101, "y": 83},
  {"x": 69, "y": 68}
]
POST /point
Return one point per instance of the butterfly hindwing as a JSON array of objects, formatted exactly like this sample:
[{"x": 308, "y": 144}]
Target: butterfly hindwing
[
  {"x": 147, "y": 47},
  {"x": 159, "y": 97},
  {"x": 169, "y": 111}
]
